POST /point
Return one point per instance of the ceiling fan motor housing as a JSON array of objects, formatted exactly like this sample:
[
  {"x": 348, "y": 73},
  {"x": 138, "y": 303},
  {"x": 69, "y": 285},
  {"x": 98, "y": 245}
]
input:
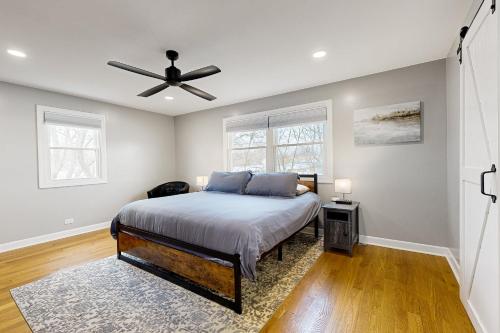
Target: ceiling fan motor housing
[{"x": 173, "y": 75}]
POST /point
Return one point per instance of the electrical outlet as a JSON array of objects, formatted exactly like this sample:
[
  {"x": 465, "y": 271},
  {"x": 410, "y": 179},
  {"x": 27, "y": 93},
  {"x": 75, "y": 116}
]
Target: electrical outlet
[{"x": 69, "y": 221}]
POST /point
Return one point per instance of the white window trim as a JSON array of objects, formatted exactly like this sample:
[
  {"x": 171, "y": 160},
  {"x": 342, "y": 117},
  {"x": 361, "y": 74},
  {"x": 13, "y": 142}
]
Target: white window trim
[
  {"x": 327, "y": 178},
  {"x": 44, "y": 180}
]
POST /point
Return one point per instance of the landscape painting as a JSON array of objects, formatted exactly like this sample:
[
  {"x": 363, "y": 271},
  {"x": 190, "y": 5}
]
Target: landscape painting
[{"x": 397, "y": 123}]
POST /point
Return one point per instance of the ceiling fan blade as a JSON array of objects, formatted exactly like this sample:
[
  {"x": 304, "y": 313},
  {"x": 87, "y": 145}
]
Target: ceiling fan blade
[
  {"x": 197, "y": 92},
  {"x": 135, "y": 70},
  {"x": 154, "y": 90},
  {"x": 199, "y": 73}
]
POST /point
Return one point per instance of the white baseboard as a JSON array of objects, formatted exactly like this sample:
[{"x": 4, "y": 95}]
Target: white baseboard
[
  {"x": 472, "y": 313},
  {"x": 455, "y": 267},
  {"x": 50, "y": 237},
  {"x": 402, "y": 245},
  {"x": 478, "y": 326},
  {"x": 415, "y": 247}
]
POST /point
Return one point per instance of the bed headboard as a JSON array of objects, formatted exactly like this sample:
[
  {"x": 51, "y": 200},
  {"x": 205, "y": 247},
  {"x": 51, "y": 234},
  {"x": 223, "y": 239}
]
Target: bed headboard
[{"x": 310, "y": 181}]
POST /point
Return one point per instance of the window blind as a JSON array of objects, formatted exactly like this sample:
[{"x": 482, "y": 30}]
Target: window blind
[
  {"x": 246, "y": 124},
  {"x": 298, "y": 117},
  {"x": 63, "y": 119}
]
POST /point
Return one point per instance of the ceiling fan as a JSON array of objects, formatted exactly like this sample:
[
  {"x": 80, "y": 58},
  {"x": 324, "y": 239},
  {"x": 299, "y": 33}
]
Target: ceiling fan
[{"x": 172, "y": 77}]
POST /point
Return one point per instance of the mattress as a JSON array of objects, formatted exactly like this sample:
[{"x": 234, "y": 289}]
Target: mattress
[{"x": 231, "y": 223}]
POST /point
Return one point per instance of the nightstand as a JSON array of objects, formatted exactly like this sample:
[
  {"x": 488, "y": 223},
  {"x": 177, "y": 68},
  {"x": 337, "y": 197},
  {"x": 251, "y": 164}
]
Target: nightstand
[{"x": 341, "y": 226}]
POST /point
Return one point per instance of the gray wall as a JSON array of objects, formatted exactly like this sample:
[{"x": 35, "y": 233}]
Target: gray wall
[
  {"x": 453, "y": 150},
  {"x": 140, "y": 155},
  {"x": 402, "y": 188}
]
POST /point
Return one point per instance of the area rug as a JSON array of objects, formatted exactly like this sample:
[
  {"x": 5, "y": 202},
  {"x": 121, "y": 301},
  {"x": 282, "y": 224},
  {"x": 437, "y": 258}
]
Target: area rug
[{"x": 110, "y": 295}]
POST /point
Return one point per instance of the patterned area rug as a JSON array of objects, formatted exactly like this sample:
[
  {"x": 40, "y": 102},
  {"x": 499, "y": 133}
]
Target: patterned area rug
[{"x": 113, "y": 296}]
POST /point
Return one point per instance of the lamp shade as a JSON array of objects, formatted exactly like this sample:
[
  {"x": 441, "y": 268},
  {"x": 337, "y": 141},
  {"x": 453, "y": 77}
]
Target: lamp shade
[
  {"x": 201, "y": 180},
  {"x": 343, "y": 185}
]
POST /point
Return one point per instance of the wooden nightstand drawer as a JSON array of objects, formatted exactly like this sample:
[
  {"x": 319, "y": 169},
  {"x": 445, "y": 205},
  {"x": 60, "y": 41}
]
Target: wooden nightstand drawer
[{"x": 339, "y": 234}]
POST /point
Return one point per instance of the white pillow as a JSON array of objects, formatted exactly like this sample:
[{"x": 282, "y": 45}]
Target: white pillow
[{"x": 301, "y": 189}]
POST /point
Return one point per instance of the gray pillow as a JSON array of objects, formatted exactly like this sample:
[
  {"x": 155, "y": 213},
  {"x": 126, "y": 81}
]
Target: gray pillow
[
  {"x": 231, "y": 182},
  {"x": 273, "y": 184}
]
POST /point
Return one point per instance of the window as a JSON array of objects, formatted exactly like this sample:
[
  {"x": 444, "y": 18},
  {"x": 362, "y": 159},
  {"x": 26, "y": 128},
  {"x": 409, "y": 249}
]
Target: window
[
  {"x": 296, "y": 139},
  {"x": 299, "y": 148},
  {"x": 248, "y": 150},
  {"x": 71, "y": 148}
]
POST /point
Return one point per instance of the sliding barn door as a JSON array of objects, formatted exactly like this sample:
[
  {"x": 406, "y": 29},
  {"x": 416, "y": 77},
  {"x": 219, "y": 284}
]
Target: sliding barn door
[{"x": 480, "y": 278}]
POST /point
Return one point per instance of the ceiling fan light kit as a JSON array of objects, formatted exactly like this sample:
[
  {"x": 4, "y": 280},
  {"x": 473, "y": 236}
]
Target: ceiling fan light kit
[{"x": 173, "y": 77}]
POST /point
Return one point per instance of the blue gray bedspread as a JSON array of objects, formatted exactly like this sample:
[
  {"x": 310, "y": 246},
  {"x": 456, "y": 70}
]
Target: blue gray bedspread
[{"x": 231, "y": 223}]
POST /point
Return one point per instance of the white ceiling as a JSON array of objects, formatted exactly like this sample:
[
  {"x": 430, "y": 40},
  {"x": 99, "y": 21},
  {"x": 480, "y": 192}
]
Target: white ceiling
[{"x": 263, "y": 47}]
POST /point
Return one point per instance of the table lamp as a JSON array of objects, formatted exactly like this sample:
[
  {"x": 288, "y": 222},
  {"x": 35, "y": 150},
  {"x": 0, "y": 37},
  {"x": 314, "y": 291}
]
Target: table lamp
[
  {"x": 343, "y": 186},
  {"x": 202, "y": 181}
]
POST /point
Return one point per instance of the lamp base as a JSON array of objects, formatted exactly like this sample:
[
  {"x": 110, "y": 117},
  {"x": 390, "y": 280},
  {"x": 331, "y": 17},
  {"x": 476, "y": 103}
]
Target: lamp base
[{"x": 343, "y": 202}]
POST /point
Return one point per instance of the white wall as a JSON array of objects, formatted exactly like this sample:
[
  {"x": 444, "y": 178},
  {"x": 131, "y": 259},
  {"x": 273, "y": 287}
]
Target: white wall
[
  {"x": 140, "y": 155},
  {"x": 402, "y": 188}
]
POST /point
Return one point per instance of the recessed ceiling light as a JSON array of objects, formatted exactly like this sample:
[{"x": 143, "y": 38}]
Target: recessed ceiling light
[
  {"x": 169, "y": 98},
  {"x": 16, "y": 53},
  {"x": 319, "y": 54}
]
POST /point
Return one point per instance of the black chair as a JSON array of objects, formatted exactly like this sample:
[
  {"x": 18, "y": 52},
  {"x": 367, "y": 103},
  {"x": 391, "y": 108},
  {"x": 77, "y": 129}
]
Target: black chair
[{"x": 167, "y": 189}]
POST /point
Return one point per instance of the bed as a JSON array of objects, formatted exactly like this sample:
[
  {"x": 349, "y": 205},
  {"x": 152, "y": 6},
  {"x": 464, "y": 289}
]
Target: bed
[{"x": 206, "y": 241}]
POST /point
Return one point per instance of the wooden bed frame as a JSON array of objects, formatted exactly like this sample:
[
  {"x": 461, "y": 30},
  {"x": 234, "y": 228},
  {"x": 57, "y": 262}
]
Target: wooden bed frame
[{"x": 187, "y": 265}]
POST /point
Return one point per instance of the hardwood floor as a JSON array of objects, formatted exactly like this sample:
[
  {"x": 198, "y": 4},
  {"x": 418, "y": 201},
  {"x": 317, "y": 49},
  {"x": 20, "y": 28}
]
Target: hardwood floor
[{"x": 378, "y": 290}]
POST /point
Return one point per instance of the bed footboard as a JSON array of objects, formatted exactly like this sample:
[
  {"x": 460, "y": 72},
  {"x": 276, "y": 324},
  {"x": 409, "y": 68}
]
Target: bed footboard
[{"x": 174, "y": 260}]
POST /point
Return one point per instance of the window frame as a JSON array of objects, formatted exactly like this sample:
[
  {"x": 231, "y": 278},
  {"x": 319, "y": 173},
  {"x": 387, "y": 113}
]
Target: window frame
[
  {"x": 327, "y": 178},
  {"x": 44, "y": 162}
]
